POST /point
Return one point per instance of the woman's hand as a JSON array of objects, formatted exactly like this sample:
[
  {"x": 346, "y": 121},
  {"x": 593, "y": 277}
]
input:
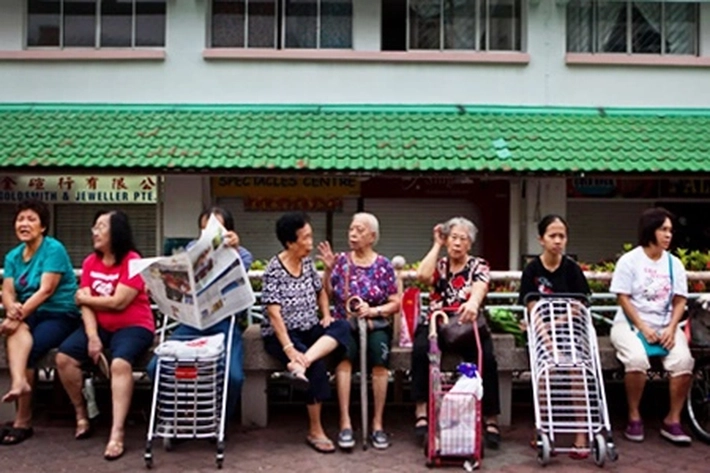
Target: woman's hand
[
  {"x": 468, "y": 312},
  {"x": 439, "y": 237},
  {"x": 667, "y": 337},
  {"x": 9, "y": 326},
  {"x": 326, "y": 255},
  {"x": 326, "y": 320},
  {"x": 364, "y": 311},
  {"x": 95, "y": 348},
  {"x": 649, "y": 334},
  {"x": 14, "y": 311},
  {"x": 297, "y": 357},
  {"x": 82, "y": 296},
  {"x": 231, "y": 239}
]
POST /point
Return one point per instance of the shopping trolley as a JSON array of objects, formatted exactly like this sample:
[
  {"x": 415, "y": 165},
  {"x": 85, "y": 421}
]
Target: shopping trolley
[
  {"x": 567, "y": 382},
  {"x": 455, "y": 423},
  {"x": 190, "y": 398}
]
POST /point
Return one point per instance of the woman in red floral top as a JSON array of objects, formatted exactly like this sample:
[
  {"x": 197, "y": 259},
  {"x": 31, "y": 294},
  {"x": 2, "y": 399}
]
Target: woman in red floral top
[{"x": 458, "y": 280}]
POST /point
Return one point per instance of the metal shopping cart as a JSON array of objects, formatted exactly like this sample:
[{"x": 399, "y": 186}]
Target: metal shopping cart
[
  {"x": 455, "y": 423},
  {"x": 567, "y": 382},
  {"x": 190, "y": 396}
]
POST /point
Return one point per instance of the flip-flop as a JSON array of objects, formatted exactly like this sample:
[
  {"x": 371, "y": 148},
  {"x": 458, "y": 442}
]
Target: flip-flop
[
  {"x": 104, "y": 366},
  {"x": 16, "y": 435},
  {"x": 83, "y": 429},
  {"x": 298, "y": 380},
  {"x": 492, "y": 437},
  {"x": 324, "y": 445},
  {"x": 579, "y": 453},
  {"x": 114, "y": 445},
  {"x": 421, "y": 430}
]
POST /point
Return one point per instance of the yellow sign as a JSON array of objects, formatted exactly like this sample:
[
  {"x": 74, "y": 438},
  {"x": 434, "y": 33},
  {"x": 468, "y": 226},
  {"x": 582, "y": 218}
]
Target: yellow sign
[{"x": 285, "y": 186}]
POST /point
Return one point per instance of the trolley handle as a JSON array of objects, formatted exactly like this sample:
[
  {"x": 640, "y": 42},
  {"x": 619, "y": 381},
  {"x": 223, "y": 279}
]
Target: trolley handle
[{"x": 583, "y": 298}]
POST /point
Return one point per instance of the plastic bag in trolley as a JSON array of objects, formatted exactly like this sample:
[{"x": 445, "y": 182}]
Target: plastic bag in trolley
[
  {"x": 202, "y": 347},
  {"x": 457, "y": 414}
]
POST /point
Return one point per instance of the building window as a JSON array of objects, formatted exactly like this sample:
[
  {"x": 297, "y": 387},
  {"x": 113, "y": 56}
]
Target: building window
[
  {"x": 96, "y": 23},
  {"x": 282, "y": 24},
  {"x": 473, "y": 25},
  {"x": 596, "y": 26}
]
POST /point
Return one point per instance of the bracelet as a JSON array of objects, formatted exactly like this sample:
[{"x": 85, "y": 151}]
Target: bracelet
[{"x": 287, "y": 346}]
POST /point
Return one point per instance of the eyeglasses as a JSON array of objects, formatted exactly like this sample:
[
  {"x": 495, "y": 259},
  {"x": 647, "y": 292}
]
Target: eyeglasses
[{"x": 100, "y": 228}]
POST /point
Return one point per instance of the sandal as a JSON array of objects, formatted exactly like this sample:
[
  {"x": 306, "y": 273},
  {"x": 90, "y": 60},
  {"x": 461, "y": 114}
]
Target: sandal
[
  {"x": 579, "y": 453},
  {"x": 15, "y": 435},
  {"x": 320, "y": 445},
  {"x": 421, "y": 426},
  {"x": 492, "y": 436},
  {"x": 83, "y": 429},
  {"x": 114, "y": 450},
  {"x": 104, "y": 366}
]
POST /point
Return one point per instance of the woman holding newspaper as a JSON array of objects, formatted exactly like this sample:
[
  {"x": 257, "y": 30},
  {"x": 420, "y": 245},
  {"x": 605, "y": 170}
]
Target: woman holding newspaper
[
  {"x": 292, "y": 331},
  {"x": 236, "y": 362},
  {"x": 116, "y": 313},
  {"x": 363, "y": 273},
  {"x": 652, "y": 287}
]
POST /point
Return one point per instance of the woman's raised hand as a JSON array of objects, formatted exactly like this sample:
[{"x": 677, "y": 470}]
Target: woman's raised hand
[
  {"x": 231, "y": 239},
  {"x": 326, "y": 255},
  {"x": 439, "y": 237}
]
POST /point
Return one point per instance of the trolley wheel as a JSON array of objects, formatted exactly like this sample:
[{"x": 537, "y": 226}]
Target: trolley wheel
[
  {"x": 611, "y": 452},
  {"x": 698, "y": 401},
  {"x": 599, "y": 450},
  {"x": 220, "y": 463},
  {"x": 168, "y": 444},
  {"x": 544, "y": 449},
  {"x": 149, "y": 463}
]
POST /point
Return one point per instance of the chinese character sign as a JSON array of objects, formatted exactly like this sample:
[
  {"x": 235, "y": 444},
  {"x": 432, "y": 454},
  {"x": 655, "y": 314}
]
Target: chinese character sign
[{"x": 86, "y": 189}]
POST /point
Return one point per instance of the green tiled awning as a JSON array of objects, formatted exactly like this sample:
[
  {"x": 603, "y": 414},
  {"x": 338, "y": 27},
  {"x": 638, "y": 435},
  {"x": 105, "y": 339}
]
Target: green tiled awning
[{"x": 353, "y": 138}]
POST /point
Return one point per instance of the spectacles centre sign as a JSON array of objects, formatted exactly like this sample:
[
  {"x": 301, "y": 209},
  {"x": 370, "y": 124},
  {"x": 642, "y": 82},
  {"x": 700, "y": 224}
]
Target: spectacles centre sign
[{"x": 80, "y": 189}]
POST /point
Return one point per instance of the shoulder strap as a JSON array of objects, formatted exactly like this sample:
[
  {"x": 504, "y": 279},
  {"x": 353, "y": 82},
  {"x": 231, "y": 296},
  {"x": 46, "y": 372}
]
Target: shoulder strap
[{"x": 670, "y": 272}]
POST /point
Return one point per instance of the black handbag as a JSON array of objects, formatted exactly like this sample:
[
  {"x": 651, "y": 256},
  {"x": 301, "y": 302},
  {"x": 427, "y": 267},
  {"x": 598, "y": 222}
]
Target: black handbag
[
  {"x": 456, "y": 336},
  {"x": 698, "y": 325}
]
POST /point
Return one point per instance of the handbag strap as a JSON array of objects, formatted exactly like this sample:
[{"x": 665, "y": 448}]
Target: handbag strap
[{"x": 670, "y": 293}]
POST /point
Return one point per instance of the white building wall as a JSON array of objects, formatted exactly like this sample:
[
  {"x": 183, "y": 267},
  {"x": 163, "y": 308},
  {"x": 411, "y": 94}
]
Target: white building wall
[{"x": 185, "y": 77}]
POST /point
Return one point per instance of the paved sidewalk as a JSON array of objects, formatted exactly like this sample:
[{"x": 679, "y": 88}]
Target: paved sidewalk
[{"x": 281, "y": 448}]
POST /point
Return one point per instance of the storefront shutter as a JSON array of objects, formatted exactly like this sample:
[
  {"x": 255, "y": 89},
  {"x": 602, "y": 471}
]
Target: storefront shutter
[
  {"x": 257, "y": 230},
  {"x": 598, "y": 229},
  {"x": 406, "y": 224},
  {"x": 73, "y": 227}
]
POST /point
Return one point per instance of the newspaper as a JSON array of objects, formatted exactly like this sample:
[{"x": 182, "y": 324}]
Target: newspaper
[{"x": 200, "y": 286}]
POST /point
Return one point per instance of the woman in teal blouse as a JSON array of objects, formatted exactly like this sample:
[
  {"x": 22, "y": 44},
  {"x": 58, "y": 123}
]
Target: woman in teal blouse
[{"x": 38, "y": 291}]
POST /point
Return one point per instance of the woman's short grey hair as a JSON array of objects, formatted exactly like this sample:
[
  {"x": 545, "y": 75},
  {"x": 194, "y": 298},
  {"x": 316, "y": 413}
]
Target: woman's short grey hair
[
  {"x": 464, "y": 223},
  {"x": 372, "y": 223}
]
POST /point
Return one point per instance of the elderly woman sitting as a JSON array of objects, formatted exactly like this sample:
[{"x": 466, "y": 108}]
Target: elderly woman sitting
[
  {"x": 460, "y": 281},
  {"x": 364, "y": 273},
  {"x": 651, "y": 286},
  {"x": 293, "y": 333}
]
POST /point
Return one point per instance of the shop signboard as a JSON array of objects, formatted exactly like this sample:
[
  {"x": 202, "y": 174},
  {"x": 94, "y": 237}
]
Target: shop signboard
[{"x": 80, "y": 189}]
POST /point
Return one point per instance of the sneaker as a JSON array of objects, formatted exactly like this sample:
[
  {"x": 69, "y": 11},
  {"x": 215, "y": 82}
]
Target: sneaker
[
  {"x": 346, "y": 440},
  {"x": 380, "y": 440},
  {"x": 634, "y": 431},
  {"x": 674, "y": 433}
]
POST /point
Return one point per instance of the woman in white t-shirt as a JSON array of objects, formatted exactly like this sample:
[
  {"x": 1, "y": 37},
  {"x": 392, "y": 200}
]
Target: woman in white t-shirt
[{"x": 652, "y": 287}]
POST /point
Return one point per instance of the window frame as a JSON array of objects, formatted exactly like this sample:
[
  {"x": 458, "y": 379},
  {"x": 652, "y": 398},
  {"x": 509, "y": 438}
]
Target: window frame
[
  {"x": 97, "y": 30},
  {"x": 279, "y": 29},
  {"x": 480, "y": 25},
  {"x": 595, "y": 49}
]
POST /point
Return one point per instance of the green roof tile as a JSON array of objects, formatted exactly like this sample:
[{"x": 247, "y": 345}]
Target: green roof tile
[{"x": 354, "y": 138}]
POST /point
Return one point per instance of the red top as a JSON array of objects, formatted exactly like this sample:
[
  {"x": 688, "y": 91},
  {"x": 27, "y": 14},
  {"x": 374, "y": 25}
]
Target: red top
[{"x": 103, "y": 280}]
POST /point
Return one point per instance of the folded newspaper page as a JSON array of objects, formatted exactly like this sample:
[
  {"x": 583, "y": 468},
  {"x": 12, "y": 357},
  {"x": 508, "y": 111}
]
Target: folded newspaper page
[{"x": 200, "y": 286}]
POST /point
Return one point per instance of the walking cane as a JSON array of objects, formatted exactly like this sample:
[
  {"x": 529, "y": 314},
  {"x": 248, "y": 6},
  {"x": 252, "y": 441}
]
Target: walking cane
[{"x": 352, "y": 305}]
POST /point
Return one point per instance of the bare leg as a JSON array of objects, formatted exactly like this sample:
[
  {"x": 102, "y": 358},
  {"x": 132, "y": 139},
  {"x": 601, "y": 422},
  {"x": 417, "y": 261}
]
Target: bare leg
[
  {"x": 343, "y": 378},
  {"x": 23, "y": 417},
  {"x": 19, "y": 345},
  {"x": 634, "y": 382},
  {"x": 323, "y": 346},
  {"x": 121, "y": 393},
  {"x": 420, "y": 410},
  {"x": 679, "y": 386},
  {"x": 316, "y": 434},
  {"x": 380, "y": 376},
  {"x": 72, "y": 378}
]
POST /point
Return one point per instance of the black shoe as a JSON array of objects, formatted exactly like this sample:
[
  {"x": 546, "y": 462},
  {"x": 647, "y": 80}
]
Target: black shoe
[{"x": 492, "y": 436}]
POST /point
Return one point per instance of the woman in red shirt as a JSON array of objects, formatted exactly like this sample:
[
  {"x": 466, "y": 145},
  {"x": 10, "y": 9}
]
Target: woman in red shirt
[{"x": 116, "y": 313}]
